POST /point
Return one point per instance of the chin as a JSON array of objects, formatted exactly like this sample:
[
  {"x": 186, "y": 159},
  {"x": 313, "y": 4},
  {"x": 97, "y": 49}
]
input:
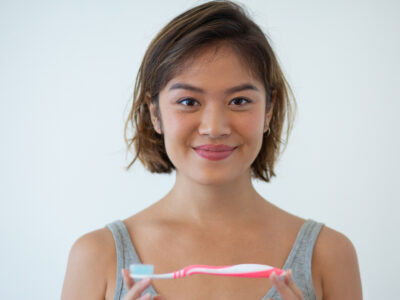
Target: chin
[{"x": 213, "y": 179}]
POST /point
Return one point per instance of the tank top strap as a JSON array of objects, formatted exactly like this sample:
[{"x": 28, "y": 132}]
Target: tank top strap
[
  {"x": 124, "y": 251},
  {"x": 126, "y": 255},
  {"x": 299, "y": 260},
  {"x": 300, "y": 257}
]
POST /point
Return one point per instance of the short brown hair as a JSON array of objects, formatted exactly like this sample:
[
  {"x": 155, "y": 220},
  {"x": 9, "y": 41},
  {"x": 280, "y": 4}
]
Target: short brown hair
[{"x": 187, "y": 34}]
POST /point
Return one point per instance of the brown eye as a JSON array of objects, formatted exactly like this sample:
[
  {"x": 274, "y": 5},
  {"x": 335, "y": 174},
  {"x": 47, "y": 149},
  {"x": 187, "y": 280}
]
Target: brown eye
[
  {"x": 189, "y": 101},
  {"x": 239, "y": 100}
]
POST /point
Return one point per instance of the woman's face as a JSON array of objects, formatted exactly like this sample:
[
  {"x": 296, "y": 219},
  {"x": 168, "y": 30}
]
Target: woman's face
[{"x": 213, "y": 100}]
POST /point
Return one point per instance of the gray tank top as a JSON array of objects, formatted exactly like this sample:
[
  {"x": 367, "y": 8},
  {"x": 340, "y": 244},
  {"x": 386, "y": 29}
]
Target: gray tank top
[{"x": 299, "y": 259}]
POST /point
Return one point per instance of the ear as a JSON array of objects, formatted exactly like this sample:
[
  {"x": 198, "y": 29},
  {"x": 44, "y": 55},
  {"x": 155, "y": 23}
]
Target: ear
[
  {"x": 269, "y": 113},
  {"x": 154, "y": 120}
]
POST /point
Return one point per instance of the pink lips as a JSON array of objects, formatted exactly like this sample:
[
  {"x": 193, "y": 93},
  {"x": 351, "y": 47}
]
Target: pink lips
[{"x": 214, "y": 152}]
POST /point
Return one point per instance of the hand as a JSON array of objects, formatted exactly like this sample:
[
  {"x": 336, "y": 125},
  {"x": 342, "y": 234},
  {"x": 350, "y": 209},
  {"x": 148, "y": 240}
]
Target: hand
[
  {"x": 136, "y": 289},
  {"x": 286, "y": 287}
]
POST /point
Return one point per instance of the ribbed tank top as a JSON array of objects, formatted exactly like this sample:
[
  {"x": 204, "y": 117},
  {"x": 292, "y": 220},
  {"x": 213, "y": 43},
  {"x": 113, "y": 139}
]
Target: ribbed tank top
[{"x": 299, "y": 259}]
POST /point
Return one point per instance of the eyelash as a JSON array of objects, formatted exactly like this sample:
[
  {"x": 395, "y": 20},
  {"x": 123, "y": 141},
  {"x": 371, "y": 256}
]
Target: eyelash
[{"x": 191, "y": 99}]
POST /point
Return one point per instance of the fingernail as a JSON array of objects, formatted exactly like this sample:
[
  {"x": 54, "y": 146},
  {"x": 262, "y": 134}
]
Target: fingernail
[
  {"x": 146, "y": 281},
  {"x": 123, "y": 274},
  {"x": 273, "y": 275},
  {"x": 146, "y": 296},
  {"x": 289, "y": 276}
]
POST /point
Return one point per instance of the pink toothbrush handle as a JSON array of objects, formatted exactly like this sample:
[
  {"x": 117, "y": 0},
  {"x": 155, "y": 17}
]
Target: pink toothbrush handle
[{"x": 243, "y": 270}]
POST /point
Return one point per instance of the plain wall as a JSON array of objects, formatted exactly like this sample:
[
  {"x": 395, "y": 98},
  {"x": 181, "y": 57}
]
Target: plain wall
[{"x": 67, "y": 70}]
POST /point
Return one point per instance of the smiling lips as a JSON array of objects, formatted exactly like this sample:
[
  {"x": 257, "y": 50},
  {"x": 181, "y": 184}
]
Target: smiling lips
[{"x": 214, "y": 152}]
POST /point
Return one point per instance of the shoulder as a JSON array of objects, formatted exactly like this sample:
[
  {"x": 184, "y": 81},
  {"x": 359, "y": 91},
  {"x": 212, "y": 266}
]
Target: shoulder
[
  {"x": 334, "y": 248},
  {"x": 96, "y": 247},
  {"x": 91, "y": 258},
  {"x": 335, "y": 258}
]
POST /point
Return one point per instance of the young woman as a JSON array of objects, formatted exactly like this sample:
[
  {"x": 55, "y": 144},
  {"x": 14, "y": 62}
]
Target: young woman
[{"x": 210, "y": 103}]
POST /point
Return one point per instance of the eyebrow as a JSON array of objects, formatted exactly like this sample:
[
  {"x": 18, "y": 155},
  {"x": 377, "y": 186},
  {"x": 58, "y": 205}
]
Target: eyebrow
[{"x": 239, "y": 88}]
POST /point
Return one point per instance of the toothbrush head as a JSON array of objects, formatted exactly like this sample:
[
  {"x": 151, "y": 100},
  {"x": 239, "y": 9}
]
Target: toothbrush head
[{"x": 141, "y": 271}]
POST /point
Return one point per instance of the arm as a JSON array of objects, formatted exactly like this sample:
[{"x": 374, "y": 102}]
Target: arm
[
  {"x": 339, "y": 267},
  {"x": 85, "y": 276}
]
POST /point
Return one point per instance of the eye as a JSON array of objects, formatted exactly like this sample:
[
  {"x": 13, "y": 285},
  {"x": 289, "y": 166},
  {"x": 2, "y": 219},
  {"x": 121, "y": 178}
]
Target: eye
[
  {"x": 239, "y": 99},
  {"x": 188, "y": 100}
]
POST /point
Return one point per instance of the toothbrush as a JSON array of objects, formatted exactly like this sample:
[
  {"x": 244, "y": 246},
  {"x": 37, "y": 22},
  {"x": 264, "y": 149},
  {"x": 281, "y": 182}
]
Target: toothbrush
[{"x": 243, "y": 270}]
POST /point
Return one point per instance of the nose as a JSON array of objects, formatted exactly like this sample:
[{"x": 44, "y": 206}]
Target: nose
[{"x": 215, "y": 121}]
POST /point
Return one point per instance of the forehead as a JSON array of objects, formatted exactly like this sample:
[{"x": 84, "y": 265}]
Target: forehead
[{"x": 215, "y": 65}]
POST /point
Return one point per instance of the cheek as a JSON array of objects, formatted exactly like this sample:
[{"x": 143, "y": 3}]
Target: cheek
[
  {"x": 251, "y": 124},
  {"x": 177, "y": 127}
]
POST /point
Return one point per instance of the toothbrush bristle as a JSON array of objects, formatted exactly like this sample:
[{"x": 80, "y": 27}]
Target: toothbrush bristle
[{"x": 140, "y": 269}]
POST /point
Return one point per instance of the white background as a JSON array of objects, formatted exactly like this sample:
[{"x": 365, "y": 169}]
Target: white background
[{"x": 67, "y": 70}]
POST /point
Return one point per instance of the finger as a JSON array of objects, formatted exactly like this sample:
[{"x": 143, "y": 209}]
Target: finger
[
  {"x": 145, "y": 297},
  {"x": 290, "y": 282},
  {"x": 157, "y": 297},
  {"x": 284, "y": 291},
  {"x": 127, "y": 279},
  {"x": 137, "y": 289}
]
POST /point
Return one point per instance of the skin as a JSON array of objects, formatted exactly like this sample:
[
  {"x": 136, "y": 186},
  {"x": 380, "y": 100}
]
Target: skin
[
  {"x": 212, "y": 118},
  {"x": 212, "y": 209}
]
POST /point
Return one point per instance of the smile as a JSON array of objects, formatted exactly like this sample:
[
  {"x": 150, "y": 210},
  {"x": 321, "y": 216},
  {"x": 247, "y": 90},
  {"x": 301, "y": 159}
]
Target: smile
[{"x": 214, "y": 155}]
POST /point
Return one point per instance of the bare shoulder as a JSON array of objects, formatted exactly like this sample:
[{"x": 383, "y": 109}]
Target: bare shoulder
[
  {"x": 336, "y": 259},
  {"x": 90, "y": 259}
]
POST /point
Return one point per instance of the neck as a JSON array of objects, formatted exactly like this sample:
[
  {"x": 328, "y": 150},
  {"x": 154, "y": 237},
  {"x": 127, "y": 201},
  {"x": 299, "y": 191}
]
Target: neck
[{"x": 207, "y": 205}]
